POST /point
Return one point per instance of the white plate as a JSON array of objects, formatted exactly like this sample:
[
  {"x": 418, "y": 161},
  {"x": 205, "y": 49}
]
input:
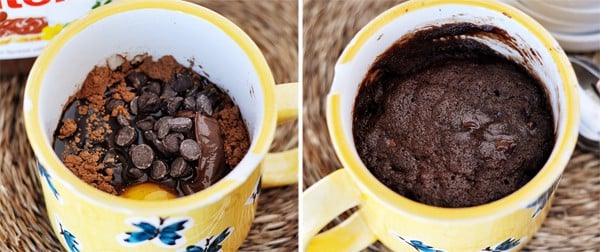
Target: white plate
[
  {"x": 584, "y": 16},
  {"x": 575, "y": 4},
  {"x": 578, "y": 43},
  {"x": 556, "y": 24}
]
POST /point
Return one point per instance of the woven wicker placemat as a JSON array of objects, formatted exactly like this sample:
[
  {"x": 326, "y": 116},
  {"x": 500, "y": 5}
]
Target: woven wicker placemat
[
  {"x": 573, "y": 223},
  {"x": 24, "y": 225}
]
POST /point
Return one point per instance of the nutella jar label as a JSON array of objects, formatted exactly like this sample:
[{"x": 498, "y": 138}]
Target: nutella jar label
[{"x": 26, "y": 26}]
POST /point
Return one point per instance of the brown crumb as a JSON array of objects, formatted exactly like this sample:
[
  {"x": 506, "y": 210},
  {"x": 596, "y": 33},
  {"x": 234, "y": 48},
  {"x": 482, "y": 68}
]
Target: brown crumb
[
  {"x": 87, "y": 167},
  {"x": 120, "y": 110},
  {"x": 82, "y": 109},
  {"x": 68, "y": 128},
  {"x": 163, "y": 69},
  {"x": 72, "y": 161},
  {"x": 124, "y": 93},
  {"x": 97, "y": 81},
  {"x": 96, "y": 102},
  {"x": 236, "y": 141}
]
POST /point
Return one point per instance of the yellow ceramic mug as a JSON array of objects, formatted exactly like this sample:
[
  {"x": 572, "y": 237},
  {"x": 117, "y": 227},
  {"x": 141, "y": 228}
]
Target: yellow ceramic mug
[
  {"x": 217, "y": 218},
  {"x": 405, "y": 225}
]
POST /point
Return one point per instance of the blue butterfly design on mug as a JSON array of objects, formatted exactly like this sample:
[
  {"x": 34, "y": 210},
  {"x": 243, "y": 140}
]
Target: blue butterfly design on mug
[
  {"x": 505, "y": 246},
  {"x": 210, "y": 244},
  {"x": 70, "y": 239},
  {"x": 417, "y": 245},
  {"x": 540, "y": 203},
  {"x": 44, "y": 173},
  {"x": 255, "y": 193},
  {"x": 164, "y": 232}
]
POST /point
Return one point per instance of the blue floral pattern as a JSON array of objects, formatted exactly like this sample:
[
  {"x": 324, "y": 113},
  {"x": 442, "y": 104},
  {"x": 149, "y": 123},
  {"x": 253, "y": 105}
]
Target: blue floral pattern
[
  {"x": 255, "y": 193},
  {"x": 70, "y": 239},
  {"x": 505, "y": 246},
  {"x": 539, "y": 204},
  {"x": 210, "y": 244},
  {"x": 44, "y": 173},
  {"x": 418, "y": 245},
  {"x": 164, "y": 232}
]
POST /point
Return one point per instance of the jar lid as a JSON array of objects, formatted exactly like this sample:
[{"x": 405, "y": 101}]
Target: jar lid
[
  {"x": 27, "y": 26},
  {"x": 588, "y": 76}
]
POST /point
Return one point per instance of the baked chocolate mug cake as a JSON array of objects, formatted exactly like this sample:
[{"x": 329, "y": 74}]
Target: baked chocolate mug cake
[
  {"x": 444, "y": 120},
  {"x": 150, "y": 122}
]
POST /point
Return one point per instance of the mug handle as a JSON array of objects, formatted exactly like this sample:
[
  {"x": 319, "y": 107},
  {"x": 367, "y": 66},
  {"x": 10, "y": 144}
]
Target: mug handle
[
  {"x": 322, "y": 202},
  {"x": 281, "y": 168}
]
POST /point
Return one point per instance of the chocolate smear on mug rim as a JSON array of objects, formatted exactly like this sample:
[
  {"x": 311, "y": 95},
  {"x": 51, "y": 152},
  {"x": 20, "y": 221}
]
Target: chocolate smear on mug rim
[
  {"x": 444, "y": 120},
  {"x": 129, "y": 125}
]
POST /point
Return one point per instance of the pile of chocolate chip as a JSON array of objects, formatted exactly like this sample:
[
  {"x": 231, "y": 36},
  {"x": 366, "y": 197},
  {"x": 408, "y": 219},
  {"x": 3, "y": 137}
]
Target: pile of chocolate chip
[
  {"x": 183, "y": 134},
  {"x": 163, "y": 141}
]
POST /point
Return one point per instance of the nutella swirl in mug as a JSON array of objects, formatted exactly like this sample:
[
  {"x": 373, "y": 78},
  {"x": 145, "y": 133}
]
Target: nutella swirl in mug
[{"x": 26, "y": 26}]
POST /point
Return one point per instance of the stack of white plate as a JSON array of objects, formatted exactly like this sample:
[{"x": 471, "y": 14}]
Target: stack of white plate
[{"x": 574, "y": 23}]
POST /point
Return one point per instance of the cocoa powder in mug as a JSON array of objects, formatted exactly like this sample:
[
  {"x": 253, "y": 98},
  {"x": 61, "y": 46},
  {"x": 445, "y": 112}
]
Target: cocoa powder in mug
[{"x": 150, "y": 121}]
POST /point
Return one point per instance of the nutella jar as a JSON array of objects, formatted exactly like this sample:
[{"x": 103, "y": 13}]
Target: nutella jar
[{"x": 26, "y": 26}]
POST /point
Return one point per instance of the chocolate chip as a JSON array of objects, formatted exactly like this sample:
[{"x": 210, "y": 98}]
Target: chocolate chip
[
  {"x": 159, "y": 170},
  {"x": 141, "y": 156},
  {"x": 162, "y": 126},
  {"x": 505, "y": 145},
  {"x": 172, "y": 142},
  {"x": 168, "y": 92},
  {"x": 115, "y": 156},
  {"x": 117, "y": 174},
  {"x": 186, "y": 113},
  {"x": 192, "y": 91},
  {"x": 160, "y": 147},
  {"x": 152, "y": 87},
  {"x": 211, "y": 91},
  {"x": 173, "y": 104},
  {"x": 470, "y": 125},
  {"x": 135, "y": 173},
  {"x": 189, "y": 150},
  {"x": 122, "y": 120},
  {"x": 148, "y": 102},
  {"x": 141, "y": 176},
  {"x": 125, "y": 136},
  {"x": 133, "y": 106},
  {"x": 114, "y": 103},
  {"x": 180, "y": 168},
  {"x": 189, "y": 103},
  {"x": 390, "y": 143},
  {"x": 204, "y": 105},
  {"x": 149, "y": 135},
  {"x": 181, "y": 81},
  {"x": 146, "y": 123},
  {"x": 137, "y": 79},
  {"x": 109, "y": 157},
  {"x": 180, "y": 124}
]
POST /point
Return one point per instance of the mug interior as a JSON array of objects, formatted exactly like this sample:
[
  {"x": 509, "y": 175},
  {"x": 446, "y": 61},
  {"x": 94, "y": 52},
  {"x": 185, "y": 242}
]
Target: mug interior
[
  {"x": 193, "y": 35},
  {"x": 531, "y": 46}
]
